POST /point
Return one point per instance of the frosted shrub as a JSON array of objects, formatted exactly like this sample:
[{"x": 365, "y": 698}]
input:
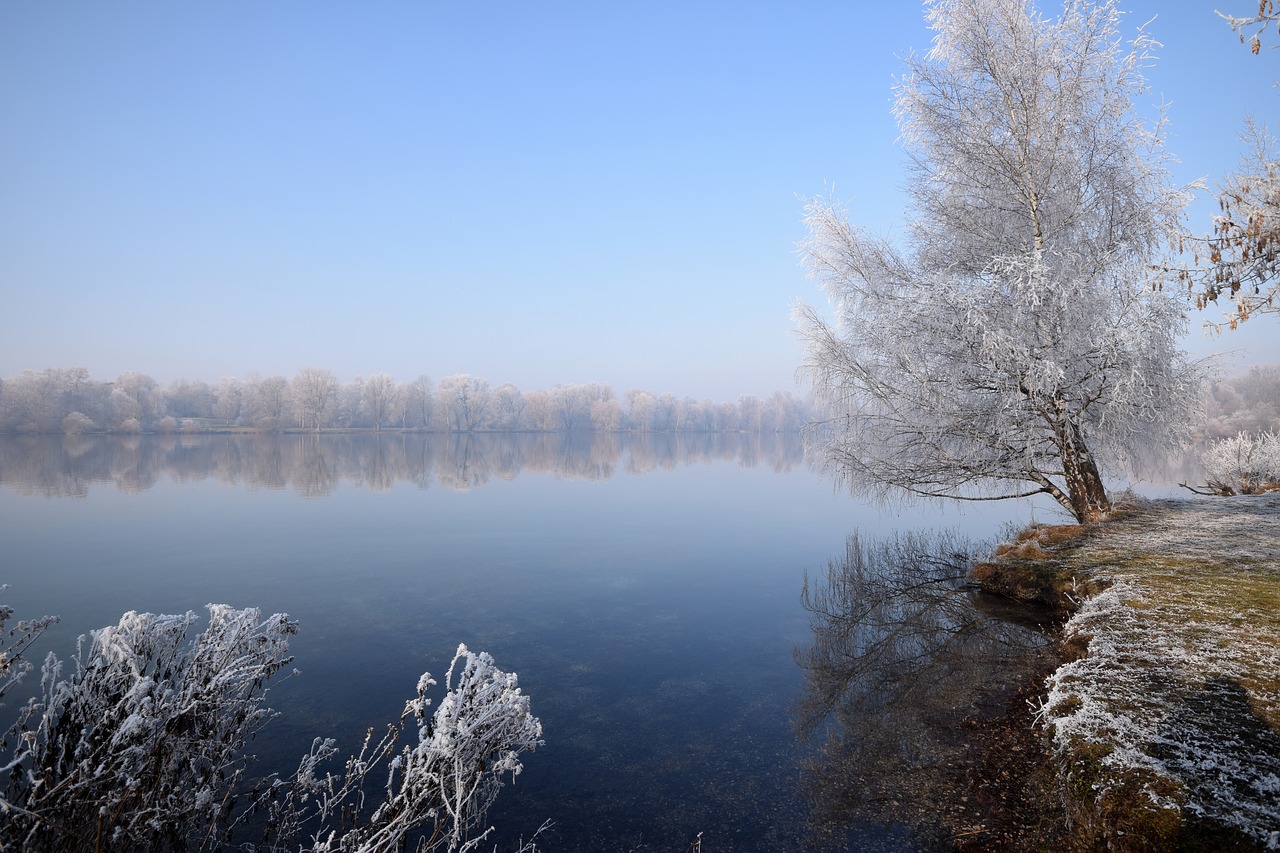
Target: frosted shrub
[
  {"x": 1245, "y": 464},
  {"x": 77, "y": 423},
  {"x": 141, "y": 747},
  {"x": 13, "y": 642},
  {"x": 438, "y": 789}
]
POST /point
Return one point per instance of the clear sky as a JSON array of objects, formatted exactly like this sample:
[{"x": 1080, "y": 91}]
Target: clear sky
[{"x": 535, "y": 193}]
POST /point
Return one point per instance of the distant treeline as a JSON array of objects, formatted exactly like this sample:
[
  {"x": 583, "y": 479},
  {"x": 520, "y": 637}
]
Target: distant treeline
[
  {"x": 70, "y": 401},
  {"x": 1248, "y": 402}
]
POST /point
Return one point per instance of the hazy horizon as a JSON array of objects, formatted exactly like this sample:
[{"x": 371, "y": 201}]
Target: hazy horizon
[
  {"x": 556, "y": 194},
  {"x": 799, "y": 391}
]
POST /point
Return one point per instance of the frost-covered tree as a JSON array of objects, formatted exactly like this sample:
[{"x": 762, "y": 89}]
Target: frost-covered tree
[
  {"x": 464, "y": 400},
  {"x": 379, "y": 399},
  {"x": 267, "y": 400},
  {"x": 1239, "y": 263},
  {"x": 749, "y": 409},
  {"x": 422, "y": 401},
  {"x": 572, "y": 404},
  {"x": 228, "y": 400},
  {"x": 402, "y": 410},
  {"x": 1248, "y": 402},
  {"x": 186, "y": 398},
  {"x": 606, "y": 414},
  {"x": 540, "y": 411},
  {"x": 508, "y": 407},
  {"x": 668, "y": 414},
  {"x": 641, "y": 406},
  {"x": 1013, "y": 345},
  {"x": 347, "y": 407},
  {"x": 76, "y": 423},
  {"x": 35, "y": 402},
  {"x": 136, "y": 397},
  {"x": 1254, "y": 25},
  {"x": 314, "y": 391}
]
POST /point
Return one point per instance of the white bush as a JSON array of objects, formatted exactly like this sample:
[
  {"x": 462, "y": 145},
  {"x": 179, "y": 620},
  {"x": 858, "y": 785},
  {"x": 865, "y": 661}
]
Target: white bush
[
  {"x": 444, "y": 784},
  {"x": 141, "y": 747},
  {"x": 1245, "y": 465},
  {"x": 77, "y": 423}
]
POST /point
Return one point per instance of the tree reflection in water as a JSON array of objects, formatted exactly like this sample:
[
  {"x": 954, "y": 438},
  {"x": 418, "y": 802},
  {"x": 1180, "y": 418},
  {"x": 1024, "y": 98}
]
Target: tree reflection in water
[
  {"x": 904, "y": 650},
  {"x": 315, "y": 465}
]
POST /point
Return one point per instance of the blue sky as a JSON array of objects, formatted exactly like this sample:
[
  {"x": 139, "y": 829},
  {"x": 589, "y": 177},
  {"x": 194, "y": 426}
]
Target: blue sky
[{"x": 534, "y": 193}]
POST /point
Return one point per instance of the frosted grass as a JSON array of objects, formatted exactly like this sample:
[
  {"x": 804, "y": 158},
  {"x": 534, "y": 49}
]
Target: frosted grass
[{"x": 1182, "y": 675}]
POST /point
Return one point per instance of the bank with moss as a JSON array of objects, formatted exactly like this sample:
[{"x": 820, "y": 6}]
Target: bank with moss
[{"x": 1164, "y": 717}]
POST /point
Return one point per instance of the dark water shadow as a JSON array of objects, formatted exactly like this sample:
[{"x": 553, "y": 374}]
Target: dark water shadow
[{"x": 904, "y": 650}]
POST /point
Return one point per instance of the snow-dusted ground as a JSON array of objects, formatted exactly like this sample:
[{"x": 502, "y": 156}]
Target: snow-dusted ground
[{"x": 1182, "y": 675}]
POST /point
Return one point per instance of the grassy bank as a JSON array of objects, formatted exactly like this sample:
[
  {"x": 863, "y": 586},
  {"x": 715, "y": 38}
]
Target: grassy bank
[{"x": 1165, "y": 715}]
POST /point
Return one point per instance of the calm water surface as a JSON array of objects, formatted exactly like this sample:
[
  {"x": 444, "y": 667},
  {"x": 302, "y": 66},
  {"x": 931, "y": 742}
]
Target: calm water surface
[{"x": 646, "y": 589}]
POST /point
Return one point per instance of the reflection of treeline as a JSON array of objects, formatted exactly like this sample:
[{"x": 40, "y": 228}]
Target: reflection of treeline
[
  {"x": 71, "y": 402},
  {"x": 315, "y": 465}
]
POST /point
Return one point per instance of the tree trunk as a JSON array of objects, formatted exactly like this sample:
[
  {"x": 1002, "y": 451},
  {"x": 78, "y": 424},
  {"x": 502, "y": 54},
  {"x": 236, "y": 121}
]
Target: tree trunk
[{"x": 1085, "y": 491}]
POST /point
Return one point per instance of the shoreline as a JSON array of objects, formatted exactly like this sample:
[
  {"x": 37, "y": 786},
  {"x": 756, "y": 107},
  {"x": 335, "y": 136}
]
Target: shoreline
[{"x": 1096, "y": 752}]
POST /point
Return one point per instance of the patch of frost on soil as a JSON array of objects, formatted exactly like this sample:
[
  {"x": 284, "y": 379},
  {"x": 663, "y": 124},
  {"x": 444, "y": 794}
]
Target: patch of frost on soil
[{"x": 1182, "y": 674}]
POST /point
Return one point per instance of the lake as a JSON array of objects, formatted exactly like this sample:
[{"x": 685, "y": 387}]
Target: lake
[{"x": 646, "y": 588}]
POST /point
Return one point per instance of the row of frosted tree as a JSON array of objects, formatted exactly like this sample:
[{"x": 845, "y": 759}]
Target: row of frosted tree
[
  {"x": 70, "y": 401},
  {"x": 1249, "y": 402}
]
